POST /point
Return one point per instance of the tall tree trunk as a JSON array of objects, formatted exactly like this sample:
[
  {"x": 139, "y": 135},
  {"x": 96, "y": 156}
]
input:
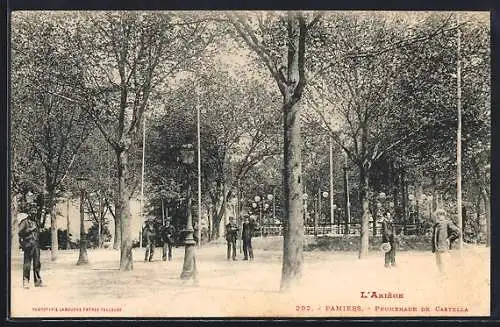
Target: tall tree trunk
[
  {"x": 68, "y": 239},
  {"x": 215, "y": 227},
  {"x": 117, "y": 242},
  {"x": 395, "y": 183},
  {"x": 217, "y": 217},
  {"x": 293, "y": 237},
  {"x": 434, "y": 194},
  {"x": 363, "y": 246},
  {"x": 295, "y": 81},
  {"x": 224, "y": 203},
  {"x": 54, "y": 244},
  {"x": 346, "y": 197},
  {"x": 481, "y": 184},
  {"x": 404, "y": 196},
  {"x": 123, "y": 212},
  {"x": 209, "y": 222},
  {"x": 291, "y": 82},
  {"x": 83, "y": 256},
  {"x": 487, "y": 213},
  {"x": 477, "y": 224}
]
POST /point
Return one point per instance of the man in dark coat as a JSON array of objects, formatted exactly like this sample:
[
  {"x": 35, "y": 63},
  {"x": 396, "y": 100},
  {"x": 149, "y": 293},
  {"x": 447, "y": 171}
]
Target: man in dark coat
[
  {"x": 149, "y": 235},
  {"x": 167, "y": 237},
  {"x": 29, "y": 233},
  {"x": 231, "y": 237},
  {"x": 443, "y": 233},
  {"x": 388, "y": 237},
  {"x": 246, "y": 236}
]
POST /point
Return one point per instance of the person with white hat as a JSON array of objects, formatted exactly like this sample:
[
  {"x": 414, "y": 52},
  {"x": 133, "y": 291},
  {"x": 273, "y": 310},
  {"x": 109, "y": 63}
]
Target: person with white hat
[
  {"x": 388, "y": 244},
  {"x": 443, "y": 233}
]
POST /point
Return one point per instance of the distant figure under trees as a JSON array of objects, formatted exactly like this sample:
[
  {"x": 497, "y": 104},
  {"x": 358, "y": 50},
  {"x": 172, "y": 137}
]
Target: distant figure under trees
[
  {"x": 149, "y": 235},
  {"x": 246, "y": 236},
  {"x": 231, "y": 237},
  {"x": 167, "y": 237}
]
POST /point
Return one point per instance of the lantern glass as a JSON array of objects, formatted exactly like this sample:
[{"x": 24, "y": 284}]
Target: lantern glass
[
  {"x": 257, "y": 198},
  {"x": 270, "y": 197},
  {"x": 381, "y": 195},
  {"x": 266, "y": 205},
  {"x": 325, "y": 194},
  {"x": 254, "y": 205}
]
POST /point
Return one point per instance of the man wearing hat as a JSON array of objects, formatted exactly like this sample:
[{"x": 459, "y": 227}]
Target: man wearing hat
[
  {"x": 29, "y": 233},
  {"x": 246, "y": 236},
  {"x": 231, "y": 237},
  {"x": 388, "y": 237},
  {"x": 443, "y": 233},
  {"x": 167, "y": 237},
  {"x": 149, "y": 235}
]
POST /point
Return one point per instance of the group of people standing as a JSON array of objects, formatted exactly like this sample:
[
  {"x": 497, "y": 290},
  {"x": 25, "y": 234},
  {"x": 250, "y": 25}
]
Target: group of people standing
[
  {"x": 167, "y": 238},
  {"x": 232, "y": 231},
  {"x": 444, "y": 233}
]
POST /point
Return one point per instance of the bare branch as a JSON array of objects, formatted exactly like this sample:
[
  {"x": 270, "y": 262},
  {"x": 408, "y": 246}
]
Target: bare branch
[{"x": 246, "y": 32}]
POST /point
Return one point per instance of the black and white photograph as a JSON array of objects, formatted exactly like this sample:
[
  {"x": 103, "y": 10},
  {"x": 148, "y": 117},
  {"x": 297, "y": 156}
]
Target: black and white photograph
[{"x": 249, "y": 164}]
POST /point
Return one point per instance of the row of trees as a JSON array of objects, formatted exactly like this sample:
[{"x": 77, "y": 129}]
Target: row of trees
[{"x": 380, "y": 87}]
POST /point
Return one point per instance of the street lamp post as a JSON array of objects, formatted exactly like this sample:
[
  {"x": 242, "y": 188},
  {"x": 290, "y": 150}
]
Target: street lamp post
[
  {"x": 413, "y": 206},
  {"x": 68, "y": 240},
  {"x": 82, "y": 258},
  {"x": 266, "y": 218},
  {"x": 334, "y": 207},
  {"x": 325, "y": 195},
  {"x": 459, "y": 142},
  {"x": 198, "y": 111},
  {"x": 271, "y": 197},
  {"x": 319, "y": 214},
  {"x": 189, "y": 266}
]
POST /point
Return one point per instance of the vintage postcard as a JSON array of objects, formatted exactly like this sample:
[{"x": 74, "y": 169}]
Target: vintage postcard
[{"x": 250, "y": 164}]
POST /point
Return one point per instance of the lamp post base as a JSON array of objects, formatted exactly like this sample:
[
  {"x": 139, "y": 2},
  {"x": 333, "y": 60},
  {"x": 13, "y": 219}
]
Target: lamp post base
[
  {"x": 189, "y": 267},
  {"x": 82, "y": 259}
]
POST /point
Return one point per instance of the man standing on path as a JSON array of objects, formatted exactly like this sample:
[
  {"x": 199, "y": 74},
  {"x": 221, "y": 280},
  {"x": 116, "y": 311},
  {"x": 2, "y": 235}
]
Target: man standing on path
[
  {"x": 246, "y": 236},
  {"x": 231, "y": 237},
  {"x": 149, "y": 235},
  {"x": 443, "y": 233},
  {"x": 167, "y": 237},
  {"x": 388, "y": 237},
  {"x": 29, "y": 233}
]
